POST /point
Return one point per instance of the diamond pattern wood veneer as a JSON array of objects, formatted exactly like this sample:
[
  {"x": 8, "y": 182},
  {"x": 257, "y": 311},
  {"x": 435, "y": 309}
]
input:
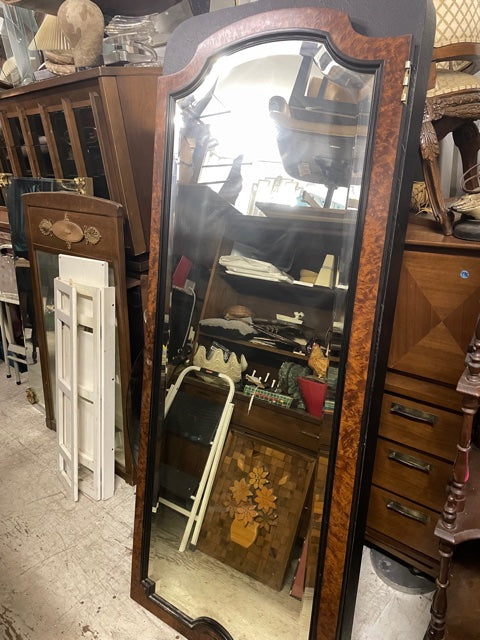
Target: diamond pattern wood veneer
[{"x": 437, "y": 293}]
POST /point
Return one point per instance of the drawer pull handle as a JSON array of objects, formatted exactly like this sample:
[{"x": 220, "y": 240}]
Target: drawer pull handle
[
  {"x": 409, "y": 461},
  {"x": 310, "y": 435},
  {"x": 412, "y": 414},
  {"x": 419, "y": 516}
]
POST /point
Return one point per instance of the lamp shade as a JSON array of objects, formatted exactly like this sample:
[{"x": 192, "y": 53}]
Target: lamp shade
[
  {"x": 49, "y": 36},
  {"x": 10, "y": 72}
]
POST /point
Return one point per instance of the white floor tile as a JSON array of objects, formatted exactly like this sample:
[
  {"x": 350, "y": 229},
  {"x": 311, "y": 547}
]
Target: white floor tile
[{"x": 65, "y": 567}]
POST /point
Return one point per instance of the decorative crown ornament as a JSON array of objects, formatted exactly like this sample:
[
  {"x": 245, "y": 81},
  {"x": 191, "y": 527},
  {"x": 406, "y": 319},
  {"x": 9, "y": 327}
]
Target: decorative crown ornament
[{"x": 216, "y": 362}]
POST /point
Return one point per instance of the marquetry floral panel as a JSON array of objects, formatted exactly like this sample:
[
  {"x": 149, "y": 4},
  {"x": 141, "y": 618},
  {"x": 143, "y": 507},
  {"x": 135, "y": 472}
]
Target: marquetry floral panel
[{"x": 255, "y": 507}]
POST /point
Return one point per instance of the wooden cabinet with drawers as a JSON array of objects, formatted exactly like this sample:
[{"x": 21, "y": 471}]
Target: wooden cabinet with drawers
[{"x": 437, "y": 303}]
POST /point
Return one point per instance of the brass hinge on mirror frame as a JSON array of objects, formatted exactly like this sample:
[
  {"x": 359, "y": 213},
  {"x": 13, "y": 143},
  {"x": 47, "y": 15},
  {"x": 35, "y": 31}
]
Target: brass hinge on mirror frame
[{"x": 406, "y": 81}]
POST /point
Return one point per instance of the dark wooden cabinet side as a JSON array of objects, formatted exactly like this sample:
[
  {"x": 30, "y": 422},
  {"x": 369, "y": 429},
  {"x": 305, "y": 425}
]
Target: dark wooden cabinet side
[{"x": 437, "y": 304}]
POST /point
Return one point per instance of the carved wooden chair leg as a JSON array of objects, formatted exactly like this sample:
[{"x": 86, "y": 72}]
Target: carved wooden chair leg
[
  {"x": 438, "y": 610},
  {"x": 430, "y": 150},
  {"x": 439, "y": 210}
]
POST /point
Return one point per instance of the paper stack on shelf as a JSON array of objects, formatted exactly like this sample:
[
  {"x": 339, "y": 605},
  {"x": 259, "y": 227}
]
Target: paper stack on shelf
[{"x": 251, "y": 268}]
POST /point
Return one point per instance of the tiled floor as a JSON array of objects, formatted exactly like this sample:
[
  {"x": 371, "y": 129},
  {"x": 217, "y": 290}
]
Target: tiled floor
[
  {"x": 65, "y": 567},
  {"x": 383, "y": 613}
]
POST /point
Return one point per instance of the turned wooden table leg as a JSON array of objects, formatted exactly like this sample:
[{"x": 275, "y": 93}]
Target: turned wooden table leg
[
  {"x": 438, "y": 610},
  {"x": 447, "y": 525}
]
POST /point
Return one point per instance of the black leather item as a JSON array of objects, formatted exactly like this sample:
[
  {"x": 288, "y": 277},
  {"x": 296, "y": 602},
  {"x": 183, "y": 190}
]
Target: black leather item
[{"x": 467, "y": 229}]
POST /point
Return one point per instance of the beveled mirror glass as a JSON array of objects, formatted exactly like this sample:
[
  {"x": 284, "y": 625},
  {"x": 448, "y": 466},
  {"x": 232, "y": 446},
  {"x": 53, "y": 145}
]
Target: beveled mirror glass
[
  {"x": 263, "y": 285},
  {"x": 269, "y": 159}
]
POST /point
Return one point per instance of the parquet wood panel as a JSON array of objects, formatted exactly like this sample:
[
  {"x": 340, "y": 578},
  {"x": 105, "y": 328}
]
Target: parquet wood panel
[{"x": 288, "y": 478}]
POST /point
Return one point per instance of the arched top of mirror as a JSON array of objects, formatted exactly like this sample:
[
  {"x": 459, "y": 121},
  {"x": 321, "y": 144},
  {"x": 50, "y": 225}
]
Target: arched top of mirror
[
  {"x": 374, "y": 18},
  {"x": 275, "y": 24},
  {"x": 324, "y": 25}
]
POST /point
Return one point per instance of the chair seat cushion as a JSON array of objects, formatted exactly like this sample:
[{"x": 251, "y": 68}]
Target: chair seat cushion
[{"x": 451, "y": 82}]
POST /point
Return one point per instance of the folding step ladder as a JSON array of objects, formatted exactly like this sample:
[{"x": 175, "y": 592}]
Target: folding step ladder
[{"x": 211, "y": 432}]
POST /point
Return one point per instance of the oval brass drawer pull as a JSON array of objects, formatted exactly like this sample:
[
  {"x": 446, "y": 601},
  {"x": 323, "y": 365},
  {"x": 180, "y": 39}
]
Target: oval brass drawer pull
[
  {"x": 409, "y": 461},
  {"x": 419, "y": 516},
  {"x": 412, "y": 414}
]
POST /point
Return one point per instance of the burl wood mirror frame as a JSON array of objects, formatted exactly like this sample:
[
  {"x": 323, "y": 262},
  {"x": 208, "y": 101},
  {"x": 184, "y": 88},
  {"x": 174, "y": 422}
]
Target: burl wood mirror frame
[{"x": 376, "y": 40}]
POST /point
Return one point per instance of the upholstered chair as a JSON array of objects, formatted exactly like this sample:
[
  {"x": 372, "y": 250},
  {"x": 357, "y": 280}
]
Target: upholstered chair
[{"x": 453, "y": 98}]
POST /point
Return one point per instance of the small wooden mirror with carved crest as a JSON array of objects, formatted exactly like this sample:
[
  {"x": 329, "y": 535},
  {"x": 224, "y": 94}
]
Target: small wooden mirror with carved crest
[{"x": 283, "y": 163}]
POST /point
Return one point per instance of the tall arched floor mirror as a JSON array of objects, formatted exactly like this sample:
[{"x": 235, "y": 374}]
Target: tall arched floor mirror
[{"x": 284, "y": 137}]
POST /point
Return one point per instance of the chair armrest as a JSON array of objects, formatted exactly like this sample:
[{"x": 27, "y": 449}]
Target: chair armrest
[
  {"x": 466, "y": 51},
  {"x": 457, "y": 51}
]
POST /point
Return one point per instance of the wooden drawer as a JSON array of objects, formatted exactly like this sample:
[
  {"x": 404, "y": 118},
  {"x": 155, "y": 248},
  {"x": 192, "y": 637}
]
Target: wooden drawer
[
  {"x": 290, "y": 426},
  {"x": 406, "y": 472},
  {"x": 435, "y": 314},
  {"x": 420, "y": 426},
  {"x": 404, "y": 553},
  {"x": 427, "y": 391},
  {"x": 403, "y": 521},
  {"x": 295, "y": 428}
]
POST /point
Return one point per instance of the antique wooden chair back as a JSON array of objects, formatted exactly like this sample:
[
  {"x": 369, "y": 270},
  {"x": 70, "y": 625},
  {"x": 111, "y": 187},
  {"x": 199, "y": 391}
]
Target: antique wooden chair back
[{"x": 453, "y": 98}]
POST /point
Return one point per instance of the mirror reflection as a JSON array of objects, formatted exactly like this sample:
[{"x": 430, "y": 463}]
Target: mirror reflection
[{"x": 267, "y": 168}]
